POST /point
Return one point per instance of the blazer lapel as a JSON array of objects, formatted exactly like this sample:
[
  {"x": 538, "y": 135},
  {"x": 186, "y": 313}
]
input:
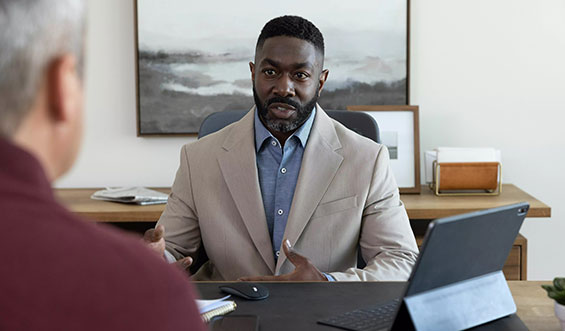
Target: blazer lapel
[
  {"x": 239, "y": 168},
  {"x": 319, "y": 166}
]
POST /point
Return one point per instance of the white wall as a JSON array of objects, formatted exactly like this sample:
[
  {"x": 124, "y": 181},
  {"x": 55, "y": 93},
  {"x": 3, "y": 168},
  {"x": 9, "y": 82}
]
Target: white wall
[
  {"x": 492, "y": 73},
  {"x": 485, "y": 73},
  {"x": 112, "y": 154}
]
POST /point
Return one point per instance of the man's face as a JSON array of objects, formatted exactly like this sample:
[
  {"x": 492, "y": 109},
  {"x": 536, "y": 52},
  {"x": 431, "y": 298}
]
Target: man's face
[{"x": 287, "y": 80}]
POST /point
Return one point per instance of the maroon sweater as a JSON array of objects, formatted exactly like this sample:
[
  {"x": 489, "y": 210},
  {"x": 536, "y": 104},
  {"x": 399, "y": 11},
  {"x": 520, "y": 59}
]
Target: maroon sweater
[{"x": 58, "y": 272}]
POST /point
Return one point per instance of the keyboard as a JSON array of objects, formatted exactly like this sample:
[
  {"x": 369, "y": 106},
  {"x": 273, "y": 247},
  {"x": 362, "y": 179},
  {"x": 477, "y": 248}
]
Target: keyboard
[{"x": 375, "y": 318}]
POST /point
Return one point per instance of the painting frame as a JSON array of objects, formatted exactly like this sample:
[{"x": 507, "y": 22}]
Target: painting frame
[
  {"x": 405, "y": 119},
  {"x": 139, "y": 91}
]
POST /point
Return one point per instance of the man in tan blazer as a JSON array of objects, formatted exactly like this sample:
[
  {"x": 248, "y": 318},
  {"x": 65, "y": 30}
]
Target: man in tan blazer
[{"x": 345, "y": 196}]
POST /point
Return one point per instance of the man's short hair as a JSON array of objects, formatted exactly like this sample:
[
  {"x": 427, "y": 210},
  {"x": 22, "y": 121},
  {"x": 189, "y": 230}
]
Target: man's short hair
[
  {"x": 32, "y": 34},
  {"x": 292, "y": 26}
]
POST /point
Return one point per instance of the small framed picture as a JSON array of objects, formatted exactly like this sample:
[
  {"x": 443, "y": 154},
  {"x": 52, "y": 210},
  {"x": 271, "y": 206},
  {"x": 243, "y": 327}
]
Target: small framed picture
[{"x": 399, "y": 131}]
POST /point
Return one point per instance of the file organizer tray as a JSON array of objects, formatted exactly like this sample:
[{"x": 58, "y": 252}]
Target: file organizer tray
[{"x": 466, "y": 178}]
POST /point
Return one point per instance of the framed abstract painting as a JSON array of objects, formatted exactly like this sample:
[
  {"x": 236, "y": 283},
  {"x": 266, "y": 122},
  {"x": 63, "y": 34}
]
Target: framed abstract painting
[{"x": 193, "y": 56}]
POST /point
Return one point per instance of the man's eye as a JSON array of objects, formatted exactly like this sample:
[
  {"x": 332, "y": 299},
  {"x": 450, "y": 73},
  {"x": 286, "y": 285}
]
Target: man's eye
[
  {"x": 301, "y": 75},
  {"x": 269, "y": 72}
]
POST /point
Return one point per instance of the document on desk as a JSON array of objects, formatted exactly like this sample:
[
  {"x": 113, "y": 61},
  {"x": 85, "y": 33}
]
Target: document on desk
[
  {"x": 212, "y": 308},
  {"x": 134, "y": 195}
]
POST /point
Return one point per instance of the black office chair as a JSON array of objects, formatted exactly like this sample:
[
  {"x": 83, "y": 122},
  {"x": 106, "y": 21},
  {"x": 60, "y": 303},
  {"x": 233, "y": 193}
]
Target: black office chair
[
  {"x": 359, "y": 122},
  {"x": 362, "y": 123}
]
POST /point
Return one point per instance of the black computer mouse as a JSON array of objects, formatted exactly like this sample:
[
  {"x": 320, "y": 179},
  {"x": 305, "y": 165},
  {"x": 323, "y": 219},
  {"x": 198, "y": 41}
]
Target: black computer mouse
[{"x": 246, "y": 290}]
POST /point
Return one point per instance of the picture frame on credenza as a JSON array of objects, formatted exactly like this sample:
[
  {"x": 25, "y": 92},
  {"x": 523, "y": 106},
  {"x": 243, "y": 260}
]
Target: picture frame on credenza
[{"x": 399, "y": 131}]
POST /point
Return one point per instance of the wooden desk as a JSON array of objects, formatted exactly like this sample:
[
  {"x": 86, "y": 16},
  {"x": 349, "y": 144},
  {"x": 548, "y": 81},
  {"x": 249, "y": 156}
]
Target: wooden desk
[
  {"x": 297, "y": 306},
  {"x": 428, "y": 206},
  {"x": 535, "y": 309},
  {"x": 79, "y": 202},
  {"x": 424, "y": 206},
  {"x": 421, "y": 209}
]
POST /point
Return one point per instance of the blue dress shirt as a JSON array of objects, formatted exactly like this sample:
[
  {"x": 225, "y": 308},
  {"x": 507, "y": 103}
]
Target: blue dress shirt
[
  {"x": 278, "y": 173},
  {"x": 278, "y": 169}
]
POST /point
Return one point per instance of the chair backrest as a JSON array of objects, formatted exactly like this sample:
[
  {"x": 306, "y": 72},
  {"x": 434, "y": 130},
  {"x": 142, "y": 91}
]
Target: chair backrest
[
  {"x": 360, "y": 122},
  {"x": 217, "y": 121}
]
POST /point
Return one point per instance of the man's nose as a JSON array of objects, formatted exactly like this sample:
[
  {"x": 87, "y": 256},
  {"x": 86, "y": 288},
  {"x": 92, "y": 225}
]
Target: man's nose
[{"x": 284, "y": 87}]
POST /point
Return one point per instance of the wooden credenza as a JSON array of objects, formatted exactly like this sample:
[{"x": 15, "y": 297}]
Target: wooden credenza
[
  {"x": 421, "y": 208},
  {"x": 424, "y": 207}
]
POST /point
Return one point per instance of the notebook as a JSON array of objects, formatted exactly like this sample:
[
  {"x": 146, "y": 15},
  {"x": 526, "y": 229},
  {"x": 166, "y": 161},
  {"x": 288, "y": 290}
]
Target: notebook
[{"x": 211, "y": 308}]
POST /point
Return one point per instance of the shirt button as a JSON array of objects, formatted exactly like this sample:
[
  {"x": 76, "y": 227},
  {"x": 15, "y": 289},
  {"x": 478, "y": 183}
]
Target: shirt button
[
  {"x": 283, "y": 170},
  {"x": 278, "y": 253},
  {"x": 280, "y": 212},
  {"x": 274, "y": 143}
]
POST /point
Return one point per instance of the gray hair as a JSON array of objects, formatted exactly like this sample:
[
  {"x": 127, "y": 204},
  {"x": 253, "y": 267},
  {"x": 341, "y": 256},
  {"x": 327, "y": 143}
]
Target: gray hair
[{"x": 32, "y": 34}]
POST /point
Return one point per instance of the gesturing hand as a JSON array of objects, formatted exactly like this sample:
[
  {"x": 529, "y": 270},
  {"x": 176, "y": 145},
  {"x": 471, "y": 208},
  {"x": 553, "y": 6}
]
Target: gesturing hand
[
  {"x": 155, "y": 239},
  {"x": 304, "y": 269}
]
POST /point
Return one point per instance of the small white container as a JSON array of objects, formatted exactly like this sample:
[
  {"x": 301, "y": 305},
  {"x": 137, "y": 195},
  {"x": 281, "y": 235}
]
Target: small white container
[{"x": 560, "y": 313}]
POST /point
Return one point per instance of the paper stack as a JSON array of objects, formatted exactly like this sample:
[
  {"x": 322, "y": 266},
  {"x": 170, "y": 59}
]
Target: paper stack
[{"x": 134, "y": 195}]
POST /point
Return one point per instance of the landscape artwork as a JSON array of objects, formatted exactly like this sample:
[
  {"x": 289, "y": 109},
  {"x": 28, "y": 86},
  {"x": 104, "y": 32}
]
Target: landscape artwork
[{"x": 193, "y": 56}]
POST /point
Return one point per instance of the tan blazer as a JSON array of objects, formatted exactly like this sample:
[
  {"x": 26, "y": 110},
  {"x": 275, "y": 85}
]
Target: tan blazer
[{"x": 345, "y": 196}]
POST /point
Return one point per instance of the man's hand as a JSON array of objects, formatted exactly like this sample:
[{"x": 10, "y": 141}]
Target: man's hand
[
  {"x": 184, "y": 264},
  {"x": 304, "y": 269},
  {"x": 155, "y": 239}
]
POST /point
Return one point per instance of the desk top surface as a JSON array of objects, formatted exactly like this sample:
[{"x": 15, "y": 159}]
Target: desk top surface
[
  {"x": 427, "y": 205},
  {"x": 298, "y": 306},
  {"x": 534, "y": 307},
  {"x": 419, "y": 206}
]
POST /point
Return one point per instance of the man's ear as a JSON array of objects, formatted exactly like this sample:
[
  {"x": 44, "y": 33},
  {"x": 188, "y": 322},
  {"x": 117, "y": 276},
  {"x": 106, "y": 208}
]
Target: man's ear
[
  {"x": 322, "y": 80},
  {"x": 252, "y": 69},
  {"x": 63, "y": 88}
]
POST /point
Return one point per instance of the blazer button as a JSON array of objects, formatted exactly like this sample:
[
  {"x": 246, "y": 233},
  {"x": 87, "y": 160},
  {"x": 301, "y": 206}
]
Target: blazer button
[
  {"x": 278, "y": 253},
  {"x": 283, "y": 170},
  {"x": 280, "y": 212}
]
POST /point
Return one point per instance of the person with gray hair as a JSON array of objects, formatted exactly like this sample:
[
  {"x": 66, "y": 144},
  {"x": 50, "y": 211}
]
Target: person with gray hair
[{"x": 58, "y": 271}]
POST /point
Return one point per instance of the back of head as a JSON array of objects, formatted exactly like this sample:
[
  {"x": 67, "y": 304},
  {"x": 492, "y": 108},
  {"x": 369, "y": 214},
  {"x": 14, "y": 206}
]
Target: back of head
[
  {"x": 32, "y": 34},
  {"x": 292, "y": 26}
]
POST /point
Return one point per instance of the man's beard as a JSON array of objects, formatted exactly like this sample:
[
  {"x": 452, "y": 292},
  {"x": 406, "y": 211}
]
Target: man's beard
[{"x": 284, "y": 125}]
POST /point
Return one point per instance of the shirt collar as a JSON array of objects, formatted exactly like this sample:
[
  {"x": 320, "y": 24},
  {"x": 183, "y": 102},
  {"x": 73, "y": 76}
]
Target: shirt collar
[{"x": 302, "y": 133}]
